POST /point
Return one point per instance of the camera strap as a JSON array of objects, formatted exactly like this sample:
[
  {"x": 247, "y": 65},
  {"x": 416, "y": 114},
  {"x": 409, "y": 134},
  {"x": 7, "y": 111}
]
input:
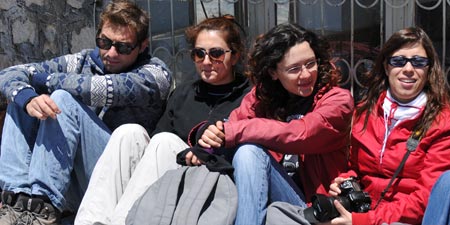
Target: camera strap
[{"x": 411, "y": 145}]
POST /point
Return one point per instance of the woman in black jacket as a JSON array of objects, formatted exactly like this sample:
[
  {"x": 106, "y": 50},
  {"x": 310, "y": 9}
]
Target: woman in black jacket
[{"x": 132, "y": 161}]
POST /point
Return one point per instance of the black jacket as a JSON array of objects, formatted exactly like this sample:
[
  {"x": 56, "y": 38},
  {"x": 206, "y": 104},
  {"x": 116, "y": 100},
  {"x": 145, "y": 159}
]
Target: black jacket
[{"x": 192, "y": 102}]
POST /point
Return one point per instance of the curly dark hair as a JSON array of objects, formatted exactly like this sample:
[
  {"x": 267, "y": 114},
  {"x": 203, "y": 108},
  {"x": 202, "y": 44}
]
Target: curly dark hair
[
  {"x": 434, "y": 88},
  {"x": 274, "y": 101}
]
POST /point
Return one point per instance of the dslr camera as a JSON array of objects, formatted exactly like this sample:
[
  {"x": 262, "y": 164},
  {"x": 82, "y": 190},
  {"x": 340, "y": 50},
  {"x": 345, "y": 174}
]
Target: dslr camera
[{"x": 351, "y": 197}]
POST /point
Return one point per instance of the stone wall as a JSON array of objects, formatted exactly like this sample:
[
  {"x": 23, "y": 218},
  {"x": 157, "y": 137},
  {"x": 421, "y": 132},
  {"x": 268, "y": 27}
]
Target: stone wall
[{"x": 34, "y": 30}]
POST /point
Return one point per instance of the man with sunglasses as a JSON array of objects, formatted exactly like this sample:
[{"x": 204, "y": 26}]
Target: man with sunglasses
[{"x": 61, "y": 113}]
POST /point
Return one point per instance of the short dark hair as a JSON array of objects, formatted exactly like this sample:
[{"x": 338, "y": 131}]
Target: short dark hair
[{"x": 126, "y": 13}]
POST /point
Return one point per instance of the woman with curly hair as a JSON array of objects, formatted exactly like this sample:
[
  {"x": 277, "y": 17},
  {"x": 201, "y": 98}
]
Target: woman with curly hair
[{"x": 295, "y": 109}]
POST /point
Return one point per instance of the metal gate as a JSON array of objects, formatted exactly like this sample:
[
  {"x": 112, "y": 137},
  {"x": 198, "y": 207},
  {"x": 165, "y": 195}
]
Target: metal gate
[{"x": 356, "y": 28}]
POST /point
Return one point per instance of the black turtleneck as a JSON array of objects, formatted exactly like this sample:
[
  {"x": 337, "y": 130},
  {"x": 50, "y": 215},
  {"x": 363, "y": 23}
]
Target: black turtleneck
[{"x": 196, "y": 101}]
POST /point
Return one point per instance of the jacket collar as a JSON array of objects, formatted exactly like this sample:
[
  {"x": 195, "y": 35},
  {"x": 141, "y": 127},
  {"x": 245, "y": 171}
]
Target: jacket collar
[
  {"x": 380, "y": 109},
  {"x": 95, "y": 56}
]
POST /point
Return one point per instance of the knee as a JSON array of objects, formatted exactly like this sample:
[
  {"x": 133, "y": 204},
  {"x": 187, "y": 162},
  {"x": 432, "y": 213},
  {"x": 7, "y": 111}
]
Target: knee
[
  {"x": 61, "y": 96},
  {"x": 250, "y": 154},
  {"x": 446, "y": 176},
  {"x": 130, "y": 130},
  {"x": 64, "y": 100},
  {"x": 164, "y": 137},
  {"x": 444, "y": 180},
  {"x": 128, "y": 141},
  {"x": 166, "y": 143}
]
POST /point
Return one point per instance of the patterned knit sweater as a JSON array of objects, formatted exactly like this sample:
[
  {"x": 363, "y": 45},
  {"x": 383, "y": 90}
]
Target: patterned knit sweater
[{"x": 137, "y": 95}]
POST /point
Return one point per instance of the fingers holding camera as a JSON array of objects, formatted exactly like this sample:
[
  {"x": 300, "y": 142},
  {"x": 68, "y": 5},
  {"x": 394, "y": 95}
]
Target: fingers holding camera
[
  {"x": 345, "y": 218},
  {"x": 334, "y": 187}
]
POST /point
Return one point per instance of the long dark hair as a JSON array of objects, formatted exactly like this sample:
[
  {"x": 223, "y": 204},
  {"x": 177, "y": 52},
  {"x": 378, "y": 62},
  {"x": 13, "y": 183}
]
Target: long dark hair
[
  {"x": 274, "y": 101},
  {"x": 434, "y": 88}
]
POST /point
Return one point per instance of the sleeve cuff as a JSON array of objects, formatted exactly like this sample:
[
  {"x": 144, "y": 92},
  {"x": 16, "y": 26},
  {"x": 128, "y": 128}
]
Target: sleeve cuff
[
  {"x": 360, "y": 218},
  {"x": 348, "y": 174},
  {"x": 229, "y": 135},
  {"x": 38, "y": 82},
  {"x": 24, "y": 96},
  {"x": 195, "y": 132}
]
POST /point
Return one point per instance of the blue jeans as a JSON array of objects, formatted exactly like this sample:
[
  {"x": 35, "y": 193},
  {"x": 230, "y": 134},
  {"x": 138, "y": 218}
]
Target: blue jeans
[
  {"x": 49, "y": 157},
  {"x": 438, "y": 209},
  {"x": 261, "y": 180}
]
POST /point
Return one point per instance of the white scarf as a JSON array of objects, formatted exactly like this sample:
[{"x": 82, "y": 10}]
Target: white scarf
[{"x": 395, "y": 113}]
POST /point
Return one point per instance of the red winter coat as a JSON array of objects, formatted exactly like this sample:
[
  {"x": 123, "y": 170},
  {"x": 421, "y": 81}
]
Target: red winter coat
[
  {"x": 407, "y": 198},
  {"x": 321, "y": 137}
]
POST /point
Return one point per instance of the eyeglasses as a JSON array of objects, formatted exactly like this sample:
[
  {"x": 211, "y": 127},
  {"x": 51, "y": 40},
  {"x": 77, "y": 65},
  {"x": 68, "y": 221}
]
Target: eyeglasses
[
  {"x": 215, "y": 54},
  {"x": 416, "y": 61},
  {"x": 121, "y": 47},
  {"x": 311, "y": 65}
]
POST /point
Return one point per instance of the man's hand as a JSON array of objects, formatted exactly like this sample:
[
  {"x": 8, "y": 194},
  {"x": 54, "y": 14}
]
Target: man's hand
[
  {"x": 42, "y": 107},
  {"x": 213, "y": 137}
]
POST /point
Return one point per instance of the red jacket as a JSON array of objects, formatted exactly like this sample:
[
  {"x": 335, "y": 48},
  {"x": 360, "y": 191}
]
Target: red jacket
[
  {"x": 321, "y": 137},
  {"x": 407, "y": 198}
]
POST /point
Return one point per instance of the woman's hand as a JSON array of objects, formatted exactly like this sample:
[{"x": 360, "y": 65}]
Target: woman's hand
[
  {"x": 213, "y": 137},
  {"x": 192, "y": 160},
  {"x": 344, "y": 219},
  {"x": 334, "y": 187}
]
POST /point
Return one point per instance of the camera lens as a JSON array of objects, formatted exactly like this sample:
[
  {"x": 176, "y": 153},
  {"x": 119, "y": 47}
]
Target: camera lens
[
  {"x": 351, "y": 197},
  {"x": 322, "y": 208}
]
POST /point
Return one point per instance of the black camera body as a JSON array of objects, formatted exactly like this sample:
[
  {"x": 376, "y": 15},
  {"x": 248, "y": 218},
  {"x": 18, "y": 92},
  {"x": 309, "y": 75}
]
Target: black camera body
[{"x": 351, "y": 197}]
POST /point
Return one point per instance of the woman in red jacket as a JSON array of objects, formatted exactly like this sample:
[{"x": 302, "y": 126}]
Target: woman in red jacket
[
  {"x": 296, "y": 107},
  {"x": 406, "y": 107}
]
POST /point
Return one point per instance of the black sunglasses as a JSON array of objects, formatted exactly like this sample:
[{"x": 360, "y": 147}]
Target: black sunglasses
[
  {"x": 416, "y": 61},
  {"x": 121, "y": 47},
  {"x": 215, "y": 54}
]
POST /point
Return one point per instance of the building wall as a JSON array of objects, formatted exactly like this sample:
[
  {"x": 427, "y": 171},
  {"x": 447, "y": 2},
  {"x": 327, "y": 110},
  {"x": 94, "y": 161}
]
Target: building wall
[{"x": 34, "y": 30}]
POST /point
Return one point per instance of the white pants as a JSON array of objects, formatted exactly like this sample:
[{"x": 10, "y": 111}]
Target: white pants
[{"x": 127, "y": 167}]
